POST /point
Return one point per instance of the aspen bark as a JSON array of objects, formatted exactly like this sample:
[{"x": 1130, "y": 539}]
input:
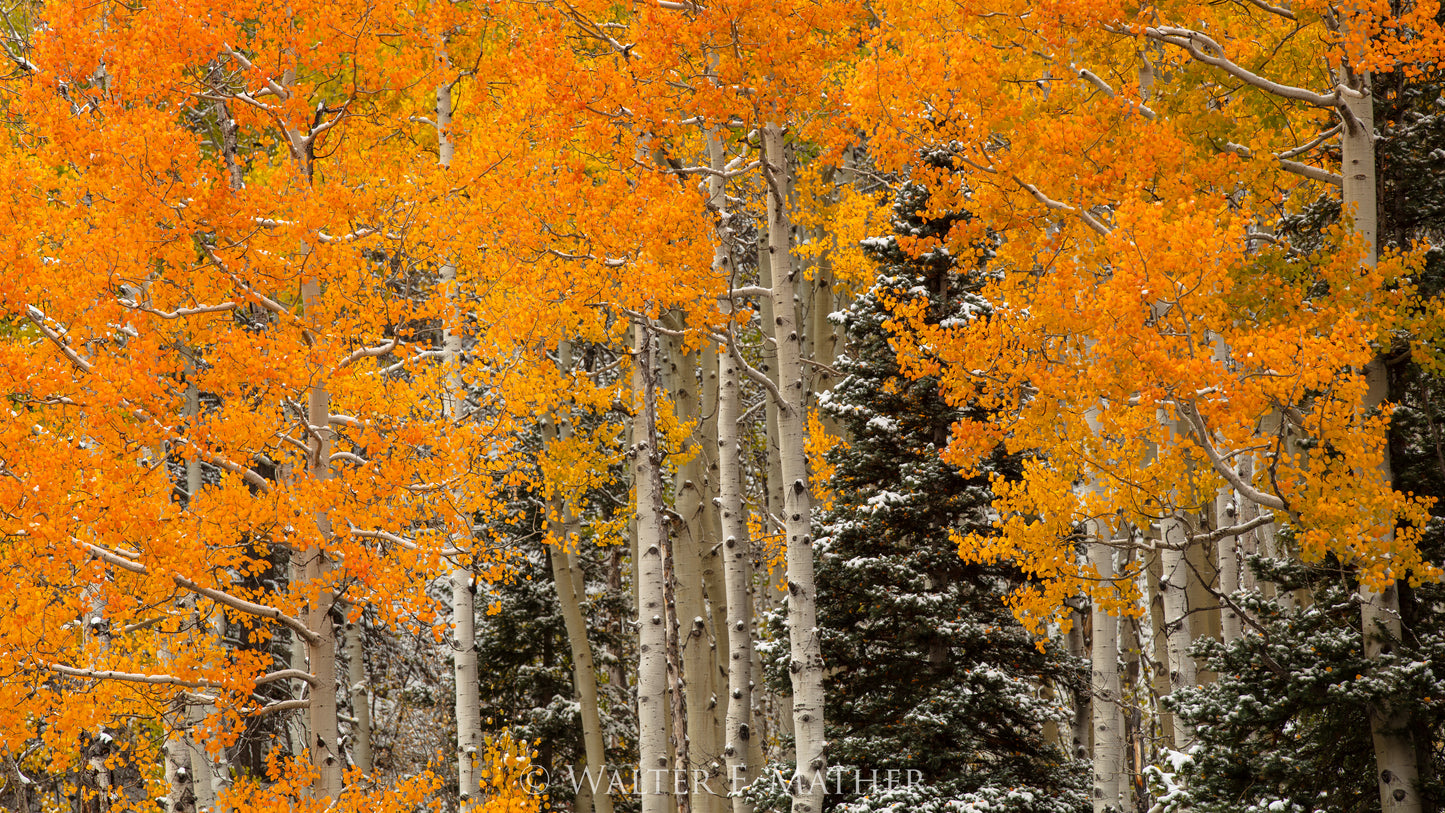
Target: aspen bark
[
  {"x": 682, "y": 797},
  {"x": 464, "y": 633},
  {"x": 1111, "y": 785},
  {"x": 177, "y": 748},
  {"x": 1159, "y": 643},
  {"x": 806, "y": 661},
  {"x": 714, "y": 584},
  {"x": 1396, "y": 761},
  {"x": 322, "y": 742},
  {"x": 1227, "y": 555},
  {"x": 687, "y": 547},
  {"x": 1173, "y": 581},
  {"x": 652, "y": 714},
  {"x": 1247, "y": 511},
  {"x": 567, "y": 575},
  {"x": 738, "y": 573},
  {"x": 571, "y": 594},
  {"x": 359, "y": 695},
  {"x": 298, "y": 731},
  {"x": 202, "y": 771}
]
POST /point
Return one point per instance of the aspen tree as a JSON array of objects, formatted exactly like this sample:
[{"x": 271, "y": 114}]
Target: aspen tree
[
  {"x": 1111, "y": 775},
  {"x": 358, "y": 694},
  {"x": 739, "y": 575},
  {"x": 805, "y": 659},
  {"x": 654, "y": 772},
  {"x": 571, "y": 596}
]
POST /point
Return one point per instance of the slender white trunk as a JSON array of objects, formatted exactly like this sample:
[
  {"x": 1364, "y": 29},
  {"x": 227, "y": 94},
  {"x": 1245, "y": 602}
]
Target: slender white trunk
[
  {"x": 568, "y": 577},
  {"x": 203, "y": 769},
  {"x": 316, "y": 566},
  {"x": 738, "y": 573},
  {"x": 298, "y": 732},
  {"x": 1159, "y": 642},
  {"x": 1396, "y": 762},
  {"x": 200, "y": 769},
  {"x": 571, "y": 593},
  {"x": 1173, "y": 582},
  {"x": 177, "y": 749},
  {"x": 1227, "y": 560},
  {"x": 359, "y": 694},
  {"x": 714, "y": 585},
  {"x": 1111, "y": 785},
  {"x": 464, "y": 633},
  {"x": 676, "y": 689},
  {"x": 806, "y": 658},
  {"x": 468, "y": 695},
  {"x": 652, "y": 714},
  {"x": 1247, "y": 511},
  {"x": 687, "y": 547}
]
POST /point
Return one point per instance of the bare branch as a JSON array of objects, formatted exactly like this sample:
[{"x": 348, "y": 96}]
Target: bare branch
[
  {"x": 133, "y": 677},
  {"x": 367, "y": 352},
  {"x": 241, "y": 605},
  {"x": 180, "y": 312},
  {"x": 280, "y": 705},
  {"x": 275, "y": 89},
  {"x": 287, "y": 674},
  {"x": 1308, "y": 171},
  {"x": 1050, "y": 203},
  {"x": 1202, "y": 437},
  {"x": 1311, "y": 172},
  {"x": 1204, "y": 49},
  {"x": 1234, "y": 530},
  {"x": 39, "y": 319},
  {"x": 1093, "y": 79},
  {"x": 1275, "y": 10}
]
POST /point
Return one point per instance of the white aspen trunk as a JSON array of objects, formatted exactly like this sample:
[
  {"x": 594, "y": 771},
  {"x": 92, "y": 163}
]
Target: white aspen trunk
[
  {"x": 323, "y": 742},
  {"x": 571, "y": 592},
  {"x": 687, "y": 548},
  {"x": 714, "y": 585},
  {"x": 774, "y": 715},
  {"x": 682, "y": 798},
  {"x": 1396, "y": 761},
  {"x": 568, "y": 577},
  {"x": 464, "y": 633},
  {"x": 178, "y": 772},
  {"x": 654, "y": 778},
  {"x": 1173, "y": 581},
  {"x": 359, "y": 694},
  {"x": 202, "y": 768},
  {"x": 738, "y": 573},
  {"x": 298, "y": 731},
  {"x": 806, "y": 661},
  {"x": 1159, "y": 639},
  {"x": 1247, "y": 512},
  {"x": 468, "y": 695},
  {"x": 1203, "y": 580},
  {"x": 1111, "y": 785},
  {"x": 768, "y": 364},
  {"x": 1227, "y": 554}
]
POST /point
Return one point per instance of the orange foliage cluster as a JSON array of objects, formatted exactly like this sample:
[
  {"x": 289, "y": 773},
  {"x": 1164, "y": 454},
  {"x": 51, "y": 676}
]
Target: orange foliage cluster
[{"x": 228, "y": 219}]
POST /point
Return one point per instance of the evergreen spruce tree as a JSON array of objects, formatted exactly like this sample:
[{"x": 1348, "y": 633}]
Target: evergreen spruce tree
[{"x": 929, "y": 673}]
